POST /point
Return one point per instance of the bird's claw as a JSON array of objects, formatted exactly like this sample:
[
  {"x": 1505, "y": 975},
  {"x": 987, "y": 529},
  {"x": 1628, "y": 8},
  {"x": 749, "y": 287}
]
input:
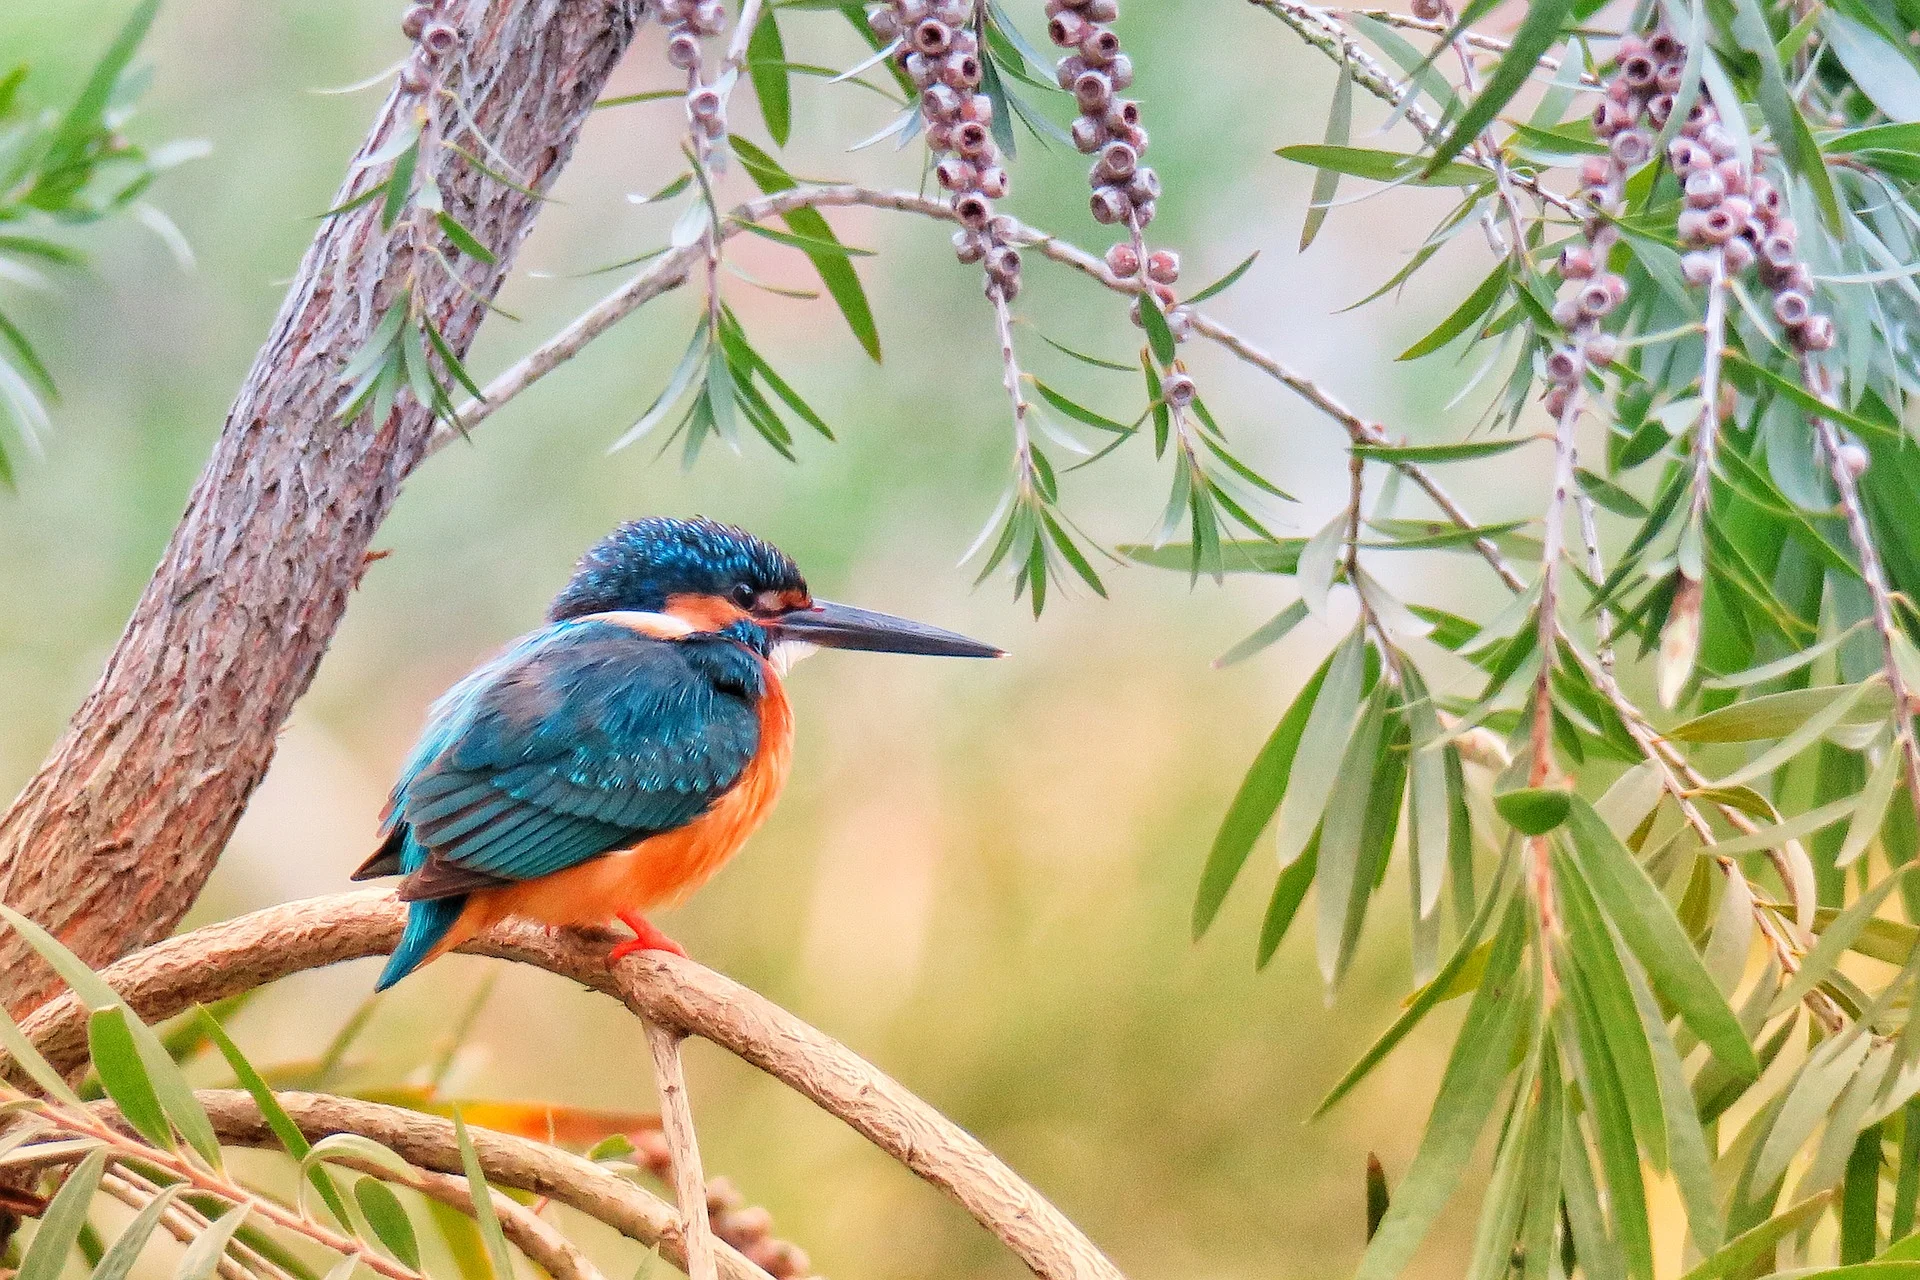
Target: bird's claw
[{"x": 646, "y": 938}]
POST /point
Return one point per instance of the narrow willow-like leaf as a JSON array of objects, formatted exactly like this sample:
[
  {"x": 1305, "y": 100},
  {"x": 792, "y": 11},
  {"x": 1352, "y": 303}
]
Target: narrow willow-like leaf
[
  {"x": 1427, "y": 805},
  {"x": 1322, "y": 742},
  {"x": 1641, "y": 914},
  {"x": 483, "y": 1212},
  {"x": 117, "y": 1262},
  {"x": 836, "y": 273},
  {"x": 1612, "y": 1127},
  {"x": 1538, "y": 32},
  {"x": 1586, "y": 1222},
  {"x": 1218, "y": 287},
  {"x": 1794, "y": 828},
  {"x": 60, "y": 1225},
  {"x": 29, "y": 1059},
  {"x": 1466, "y": 451},
  {"x": 117, "y": 1059},
  {"x": 1358, "y": 828},
  {"x": 1289, "y": 891},
  {"x": 1383, "y": 166},
  {"x": 1744, "y": 1250},
  {"x": 1835, "y": 939},
  {"x": 276, "y": 1116},
  {"x": 1688, "y": 1153},
  {"x": 1872, "y": 809},
  {"x": 203, "y": 1255},
  {"x": 389, "y": 1220},
  {"x": 1269, "y": 633},
  {"x": 1775, "y": 715},
  {"x": 767, "y": 66},
  {"x": 1813, "y": 1091},
  {"x": 1470, "y": 1087},
  {"x": 1440, "y": 988},
  {"x": 1477, "y": 304},
  {"x": 1326, "y": 182}
]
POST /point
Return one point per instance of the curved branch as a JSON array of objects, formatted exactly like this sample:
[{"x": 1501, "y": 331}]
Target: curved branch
[{"x": 238, "y": 955}]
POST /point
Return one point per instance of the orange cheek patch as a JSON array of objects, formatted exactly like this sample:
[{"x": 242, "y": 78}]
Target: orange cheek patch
[{"x": 704, "y": 613}]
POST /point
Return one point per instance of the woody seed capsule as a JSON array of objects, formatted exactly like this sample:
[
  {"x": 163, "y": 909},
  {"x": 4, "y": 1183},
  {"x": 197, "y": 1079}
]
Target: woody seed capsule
[
  {"x": 1791, "y": 307},
  {"x": 1100, "y": 47},
  {"x": 1427, "y": 10},
  {"x": 1558, "y": 397},
  {"x": 1178, "y": 390},
  {"x": 883, "y": 21},
  {"x": 955, "y": 13},
  {"x": 1117, "y": 163},
  {"x": 1660, "y": 108},
  {"x": 1631, "y": 147},
  {"x": 1697, "y": 267},
  {"x": 933, "y": 38},
  {"x": 1854, "y": 459},
  {"x": 1163, "y": 266},
  {"x": 1595, "y": 300},
  {"x": 968, "y": 247},
  {"x": 972, "y": 209},
  {"x": 920, "y": 69},
  {"x": 955, "y": 175},
  {"x": 1566, "y": 312},
  {"x": 1068, "y": 69},
  {"x": 1108, "y": 206},
  {"x": 439, "y": 38},
  {"x": 1088, "y": 135},
  {"x": 1003, "y": 262},
  {"x": 1092, "y": 90},
  {"x": 683, "y": 50},
  {"x": 972, "y": 139},
  {"x": 1120, "y": 71},
  {"x": 1704, "y": 188},
  {"x": 978, "y": 107},
  {"x": 1143, "y": 211},
  {"x": 1144, "y": 187},
  {"x": 709, "y": 17},
  {"x": 913, "y": 11},
  {"x": 1068, "y": 29},
  {"x": 704, "y": 104},
  {"x": 1123, "y": 113},
  {"x": 1595, "y": 171},
  {"x": 939, "y": 137},
  {"x": 1563, "y": 365},
  {"x": 1576, "y": 262},
  {"x": 1123, "y": 261},
  {"x": 1602, "y": 347},
  {"x": 939, "y": 101},
  {"x": 992, "y": 182},
  {"x": 1740, "y": 255},
  {"x": 414, "y": 21},
  {"x": 1666, "y": 47},
  {"x": 1816, "y": 335},
  {"x": 1103, "y": 10},
  {"x": 1638, "y": 70},
  {"x": 960, "y": 71}
]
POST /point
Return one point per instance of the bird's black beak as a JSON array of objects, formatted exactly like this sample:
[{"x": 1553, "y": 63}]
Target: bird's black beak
[{"x": 841, "y": 626}]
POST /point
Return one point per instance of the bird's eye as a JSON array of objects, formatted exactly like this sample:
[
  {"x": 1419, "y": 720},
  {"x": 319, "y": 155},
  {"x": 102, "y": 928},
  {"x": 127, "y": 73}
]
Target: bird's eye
[{"x": 744, "y": 595}]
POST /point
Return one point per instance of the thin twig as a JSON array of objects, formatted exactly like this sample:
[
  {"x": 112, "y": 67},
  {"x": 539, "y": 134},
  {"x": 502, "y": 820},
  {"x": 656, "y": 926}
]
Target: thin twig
[
  {"x": 676, "y": 1123},
  {"x": 1439, "y": 27},
  {"x": 241, "y": 954}
]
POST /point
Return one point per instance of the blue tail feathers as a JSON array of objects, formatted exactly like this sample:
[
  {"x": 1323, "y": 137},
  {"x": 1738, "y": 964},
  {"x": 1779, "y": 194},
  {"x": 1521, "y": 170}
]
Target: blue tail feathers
[{"x": 427, "y": 922}]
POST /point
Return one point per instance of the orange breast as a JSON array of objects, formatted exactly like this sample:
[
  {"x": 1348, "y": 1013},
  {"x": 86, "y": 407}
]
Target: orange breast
[{"x": 660, "y": 870}]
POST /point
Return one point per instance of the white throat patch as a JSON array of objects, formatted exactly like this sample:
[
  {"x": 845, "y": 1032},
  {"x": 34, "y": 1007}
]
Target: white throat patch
[{"x": 787, "y": 652}]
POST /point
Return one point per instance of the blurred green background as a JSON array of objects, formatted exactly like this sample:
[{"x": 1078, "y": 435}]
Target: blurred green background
[{"x": 981, "y": 875}]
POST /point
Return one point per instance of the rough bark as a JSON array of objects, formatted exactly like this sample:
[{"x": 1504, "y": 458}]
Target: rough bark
[{"x": 111, "y": 841}]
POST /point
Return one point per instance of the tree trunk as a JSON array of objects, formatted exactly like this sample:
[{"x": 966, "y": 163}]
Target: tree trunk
[{"x": 113, "y": 839}]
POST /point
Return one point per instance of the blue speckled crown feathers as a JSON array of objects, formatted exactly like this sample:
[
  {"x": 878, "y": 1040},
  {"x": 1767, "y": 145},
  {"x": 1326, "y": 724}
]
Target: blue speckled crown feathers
[{"x": 643, "y": 562}]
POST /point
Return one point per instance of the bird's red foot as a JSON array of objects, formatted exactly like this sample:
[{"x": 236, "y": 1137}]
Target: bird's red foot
[{"x": 646, "y": 938}]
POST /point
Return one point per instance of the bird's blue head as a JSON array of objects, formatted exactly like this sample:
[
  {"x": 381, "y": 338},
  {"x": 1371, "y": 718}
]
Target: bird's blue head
[{"x": 718, "y": 578}]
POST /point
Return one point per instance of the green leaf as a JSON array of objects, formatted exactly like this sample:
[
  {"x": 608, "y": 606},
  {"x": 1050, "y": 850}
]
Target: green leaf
[
  {"x": 1159, "y": 336},
  {"x": 389, "y": 1220},
  {"x": 767, "y": 66},
  {"x": 1288, "y": 893},
  {"x": 1795, "y": 828},
  {"x": 1422, "y": 1003},
  {"x": 275, "y": 1115},
  {"x": 1533, "y": 811},
  {"x": 808, "y": 244},
  {"x": 116, "y": 1058},
  {"x": 1480, "y": 1061},
  {"x": 1326, "y": 182},
  {"x": 483, "y": 1212},
  {"x": 1383, "y": 166},
  {"x": 1738, "y": 1255},
  {"x": 1809, "y": 402},
  {"x": 1776, "y": 715},
  {"x": 1281, "y": 556},
  {"x": 1835, "y": 940},
  {"x": 1270, "y": 632},
  {"x": 1537, "y": 34},
  {"x": 1095, "y": 361},
  {"x": 175, "y": 1095},
  {"x": 203, "y": 1255},
  {"x": 1477, "y": 304},
  {"x": 1808, "y": 1098},
  {"x": 464, "y": 240},
  {"x": 1218, "y": 287},
  {"x": 1882, "y": 71},
  {"x": 1466, "y": 451},
  {"x": 1322, "y": 742},
  {"x": 117, "y": 1262},
  {"x": 60, "y": 1225},
  {"x": 1345, "y": 877},
  {"x": 87, "y": 115},
  {"x": 399, "y": 186},
  {"x": 836, "y": 273},
  {"x": 1653, "y": 933},
  {"x": 1078, "y": 412},
  {"x": 28, "y": 1058},
  {"x": 1872, "y": 810}
]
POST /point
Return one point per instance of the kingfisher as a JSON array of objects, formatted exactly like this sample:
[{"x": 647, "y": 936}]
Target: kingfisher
[{"x": 611, "y": 761}]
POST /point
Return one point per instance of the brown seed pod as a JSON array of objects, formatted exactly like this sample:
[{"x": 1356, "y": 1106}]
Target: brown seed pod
[
  {"x": 1558, "y": 397},
  {"x": 1610, "y": 117},
  {"x": 939, "y": 102},
  {"x": 1428, "y": 10},
  {"x": 1704, "y": 188},
  {"x": 1595, "y": 171},
  {"x": 1740, "y": 254},
  {"x": 683, "y": 50},
  {"x": 993, "y": 182},
  {"x": 1123, "y": 261},
  {"x": 1814, "y": 335},
  {"x": 1667, "y": 79},
  {"x": 883, "y": 21},
  {"x": 1566, "y": 312},
  {"x": 1003, "y": 262},
  {"x": 1103, "y": 10},
  {"x": 414, "y": 20},
  {"x": 1686, "y": 155},
  {"x": 1638, "y": 70},
  {"x": 933, "y": 38},
  {"x": 1143, "y": 212},
  {"x": 1089, "y": 135},
  {"x": 1576, "y": 262},
  {"x": 1563, "y": 365},
  {"x": 1120, "y": 71},
  {"x": 1100, "y": 47},
  {"x": 921, "y": 69},
  {"x": 1733, "y": 176},
  {"x": 1697, "y": 267},
  {"x": 1595, "y": 300},
  {"x": 1123, "y": 114},
  {"x": 709, "y": 17},
  {"x": 972, "y": 209},
  {"x": 1721, "y": 223},
  {"x": 978, "y": 107},
  {"x": 1109, "y": 205},
  {"x": 1792, "y": 308},
  {"x": 972, "y": 140},
  {"x": 1602, "y": 347},
  {"x": 1178, "y": 390},
  {"x": 1163, "y": 266},
  {"x": 968, "y": 247},
  {"x": 955, "y": 174},
  {"x": 1666, "y": 47},
  {"x": 439, "y": 38},
  {"x": 1116, "y": 164},
  {"x": 1631, "y": 147},
  {"x": 1660, "y": 108},
  {"x": 960, "y": 72},
  {"x": 1143, "y": 187},
  {"x": 1067, "y": 29},
  {"x": 1093, "y": 90},
  {"x": 1854, "y": 459},
  {"x": 939, "y": 137},
  {"x": 1068, "y": 69}
]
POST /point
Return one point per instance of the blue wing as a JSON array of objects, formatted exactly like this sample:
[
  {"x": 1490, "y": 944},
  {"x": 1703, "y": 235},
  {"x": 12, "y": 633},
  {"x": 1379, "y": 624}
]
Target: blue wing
[{"x": 584, "y": 738}]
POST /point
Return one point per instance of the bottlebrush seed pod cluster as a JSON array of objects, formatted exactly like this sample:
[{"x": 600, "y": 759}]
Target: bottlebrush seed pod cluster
[
  {"x": 434, "y": 38},
  {"x": 1097, "y": 71},
  {"x": 687, "y": 21},
  {"x": 940, "y": 53}
]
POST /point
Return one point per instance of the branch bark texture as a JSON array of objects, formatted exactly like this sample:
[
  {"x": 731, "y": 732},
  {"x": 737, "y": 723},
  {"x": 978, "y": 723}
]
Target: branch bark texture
[
  {"x": 667, "y": 991},
  {"x": 111, "y": 841}
]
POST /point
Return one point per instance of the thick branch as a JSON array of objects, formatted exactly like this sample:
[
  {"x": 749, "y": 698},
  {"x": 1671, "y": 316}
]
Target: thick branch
[
  {"x": 238, "y": 955},
  {"x": 110, "y": 843}
]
